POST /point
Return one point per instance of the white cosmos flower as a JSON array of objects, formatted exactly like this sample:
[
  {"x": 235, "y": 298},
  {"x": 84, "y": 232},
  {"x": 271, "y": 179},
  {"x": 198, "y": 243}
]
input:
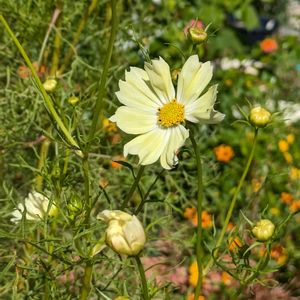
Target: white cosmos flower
[
  {"x": 154, "y": 111},
  {"x": 36, "y": 205}
]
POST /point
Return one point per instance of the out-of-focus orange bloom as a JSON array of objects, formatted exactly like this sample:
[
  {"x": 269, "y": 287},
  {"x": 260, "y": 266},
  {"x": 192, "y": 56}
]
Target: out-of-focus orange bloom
[
  {"x": 290, "y": 138},
  {"x": 295, "y": 206},
  {"x": 283, "y": 145},
  {"x": 226, "y": 278},
  {"x": 109, "y": 126},
  {"x": 24, "y": 72},
  {"x": 230, "y": 226},
  {"x": 256, "y": 184},
  {"x": 193, "y": 274},
  {"x": 288, "y": 157},
  {"x": 234, "y": 243},
  {"x": 190, "y": 212},
  {"x": 192, "y": 297},
  {"x": 223, "y": 153},
  {"x": 294, "y": 173},
  {"x": 286, "y": 198},
  {"x": 116, "y": 165},
  {"x": 268, "y": 45},
  {"x": 279, "y": 254}
]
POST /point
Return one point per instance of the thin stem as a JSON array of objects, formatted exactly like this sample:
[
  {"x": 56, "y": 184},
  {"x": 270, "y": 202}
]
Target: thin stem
[
  {"x": 199, "y": 248},
  {"x": 233, "y": 201},
  {"x": 87, "y": 278},
  {"x": 133, "y": 187},
  {"x": 47, "y": 99},
  {"x": 77, "y": 34},
  {"x": 143, "y": 278},
  {"x": 87, "y": 198},
  {"x": 99, "y": 104}
]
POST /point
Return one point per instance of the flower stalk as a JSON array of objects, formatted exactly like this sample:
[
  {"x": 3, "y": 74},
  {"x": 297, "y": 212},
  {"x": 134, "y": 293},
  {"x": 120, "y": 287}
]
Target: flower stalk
[
  {"x": 143, "y": 278},
  {"x": 199, "y": 248},
  {"x": 87, "y": 278},
  {"x": 233, "y": 201}
]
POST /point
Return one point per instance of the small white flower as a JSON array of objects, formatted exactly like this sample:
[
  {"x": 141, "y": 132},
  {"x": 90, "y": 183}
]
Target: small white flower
[
  {"x": 125, "y": 233},
  {"x": 36, "y": 205},
  {"x": 154, "y": 111}
]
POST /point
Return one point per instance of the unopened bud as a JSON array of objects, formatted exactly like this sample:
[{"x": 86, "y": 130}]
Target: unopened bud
[
  {"x": 125, "y": 234},
  {"x": 197, "y": 35},
  {"x": 50, "y": 85},
  {"x": 73, "y": 100},
  {"x": 263, "y": 230},
  {"x": 259, "y": 117}
]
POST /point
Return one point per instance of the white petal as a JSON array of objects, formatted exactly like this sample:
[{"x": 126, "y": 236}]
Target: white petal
[
  {"x": 148, "y": 146},
  {"x": 134, "y": 121},
  {"x": 177, "y": 138},
  {"x": 160, "y": 79},
  {"x": 135, "y": 92},
  {"x": 193, "y": 79},
  {"x": 201, "y": 108}
]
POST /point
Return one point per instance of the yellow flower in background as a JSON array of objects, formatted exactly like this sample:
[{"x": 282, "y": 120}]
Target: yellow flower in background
[
  {"x": 36, "y": 206},
  {"x": 157, "y": 114},
  {"x": 191, "y": 214},
  {"x": 275, "y": 211},
  {"x": 290, "y": 138},
  {"x": 288, "y": 157},
  {"x": 256, "y": 184},
  {"x": 283, "y": 145},
  {"x": 109, "y": 126},
  {"x": 294, "y": 173},
  {"x": 192, "y": 297},
  {"x": 223, "y": 153}
]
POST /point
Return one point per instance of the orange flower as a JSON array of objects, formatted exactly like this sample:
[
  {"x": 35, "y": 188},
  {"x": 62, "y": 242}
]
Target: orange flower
[
  {"x": 230, "y": 226},
  {"x": 268, "y": 45},
  {"x": 286, "y": 198},
  {"x": 226, "y": 278},
  {"x": 190, "y": 212},
  {"x": 223, "y": 153},
  {"x": 206, "y": 220},
  {"x": 115, "y": 164},
  {"x": 193, "y": 271},
  {"x": 191, "y": 297},
  {"x": 279, "y": 254},
  {"x": 295, "y": 206},
  {"x": 283, "y": 145},
  {"x": 234, "y": 243}
]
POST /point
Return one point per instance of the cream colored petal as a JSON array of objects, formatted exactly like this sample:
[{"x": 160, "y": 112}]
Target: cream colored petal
[
  {"x": 201, "y": 108},
  {"x": 148, "y": 146},
  {"x": 16, "y": 216},
  {"x": 160, "y": 79},
  {"x": 135, "y": 91},
  {"x": 178, "y": 135},
  {"x": 118, "y": 243},
  {"x": 134, "y": 121},
  {"x": 193, "y": 79}
]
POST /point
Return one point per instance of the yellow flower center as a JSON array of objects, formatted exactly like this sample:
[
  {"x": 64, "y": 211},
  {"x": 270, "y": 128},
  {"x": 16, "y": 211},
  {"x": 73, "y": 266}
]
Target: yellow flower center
[{"x": 171, "y": 114}]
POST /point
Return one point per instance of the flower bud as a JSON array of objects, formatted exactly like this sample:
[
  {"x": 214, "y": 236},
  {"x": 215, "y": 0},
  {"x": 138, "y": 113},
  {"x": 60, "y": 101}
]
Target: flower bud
[
  {"x": 73, "y": 100},
  {"x": 259, "y": 117},
  {"x": 263, "y": 230},
  {"x": 50, "y": 85},
  {"x": 125, "y": 234},
  {"x": 197, "y": 35}
]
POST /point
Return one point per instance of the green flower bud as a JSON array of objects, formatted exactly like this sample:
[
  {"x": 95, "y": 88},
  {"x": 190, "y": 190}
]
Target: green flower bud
[
  {"x": 125, "y": 234},
  {"x": 197, "y": 35},
  {"x": 263, "y": 230},
  {"x": 259, "y": 117},
  {"x": 50, "y": 85}
]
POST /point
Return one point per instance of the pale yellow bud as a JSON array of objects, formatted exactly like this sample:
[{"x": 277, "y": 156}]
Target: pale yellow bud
[
  {"x": 125, "y": 233},
  {"x": 73, "y": 100},
  {"x": 259, "y": 117},
  {"x": 197, "y": 35},
  {"x": 263, "y": 230},
  {"x": 50, "y": 85}
]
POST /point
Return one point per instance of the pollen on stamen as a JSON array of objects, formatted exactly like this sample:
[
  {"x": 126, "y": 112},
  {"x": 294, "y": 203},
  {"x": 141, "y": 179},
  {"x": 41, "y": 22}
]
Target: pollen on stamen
[{"x": 171, "y": 114}]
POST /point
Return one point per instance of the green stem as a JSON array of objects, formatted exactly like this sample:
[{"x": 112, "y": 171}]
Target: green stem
[
  {"x": 87, "y": 199},
  {"x": 77, "y": 34},
  {"x": 87, "y": 278},
  {"x": 233, "y": 201},
  {"x": 143, "y": 278},
  {"x": 99, "y": 104},
  {"x": 133, "y": 187},
  {"x": 199, "y": 248},
  {"x": 47, "y": 99}
]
